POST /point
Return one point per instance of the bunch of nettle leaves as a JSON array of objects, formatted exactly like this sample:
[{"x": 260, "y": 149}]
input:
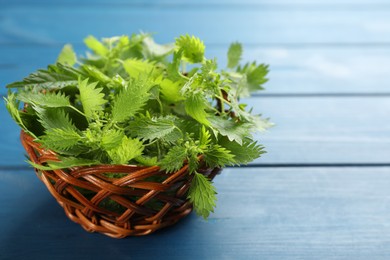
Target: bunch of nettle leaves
[{"x": 131, "y": 101}]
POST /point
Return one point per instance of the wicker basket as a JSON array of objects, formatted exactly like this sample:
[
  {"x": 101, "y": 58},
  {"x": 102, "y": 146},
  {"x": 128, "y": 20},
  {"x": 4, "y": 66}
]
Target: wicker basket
[{"x": 81, "y": 191}]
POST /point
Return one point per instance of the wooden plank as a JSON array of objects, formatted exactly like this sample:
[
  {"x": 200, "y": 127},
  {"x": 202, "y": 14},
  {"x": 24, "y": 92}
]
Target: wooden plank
[
  {"x": 305, "y": 213},
  {"x": 313, "y": 71},
  {"x": 308, "y": 131},
  {"x": 325, "y": 130},
  {"x": 222, "y": 3},
  {"x": 46, "y": 25}
]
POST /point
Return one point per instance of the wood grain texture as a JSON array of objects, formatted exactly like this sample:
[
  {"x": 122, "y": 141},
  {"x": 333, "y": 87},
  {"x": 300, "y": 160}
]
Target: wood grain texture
[
  {"x": 293, "y": 70},
  {"x": 50, "y": 25},
  {"x": 150, "y": 3},
  {"x": 309, "y": 213},
  {"x": 329, "y": 68},
  {"x": 308, "y": 130}
]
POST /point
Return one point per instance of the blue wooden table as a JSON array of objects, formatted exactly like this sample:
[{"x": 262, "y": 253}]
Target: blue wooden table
[{"x": 323, "y": 189}]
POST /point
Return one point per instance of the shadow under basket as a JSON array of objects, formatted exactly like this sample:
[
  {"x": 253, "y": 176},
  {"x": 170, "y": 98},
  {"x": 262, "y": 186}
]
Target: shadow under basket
[{"x": 116, "y": 200}]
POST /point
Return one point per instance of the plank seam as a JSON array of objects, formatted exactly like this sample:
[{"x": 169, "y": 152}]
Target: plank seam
[{"x": 218, "y": 6}]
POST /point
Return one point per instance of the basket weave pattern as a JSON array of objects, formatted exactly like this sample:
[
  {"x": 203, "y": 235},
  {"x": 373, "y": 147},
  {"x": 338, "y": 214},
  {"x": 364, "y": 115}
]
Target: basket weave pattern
[{"x": 134, "y": 192}]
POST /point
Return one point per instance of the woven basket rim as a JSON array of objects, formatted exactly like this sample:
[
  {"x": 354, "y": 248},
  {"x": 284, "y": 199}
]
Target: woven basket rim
[
  {"x": 134, "y": 192},
  {"x": 28, "y": 137}
]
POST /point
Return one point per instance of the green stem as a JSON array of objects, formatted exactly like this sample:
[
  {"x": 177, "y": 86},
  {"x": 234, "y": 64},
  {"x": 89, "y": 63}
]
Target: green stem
[
  {"x": 183, "y": 67},
  {"x": 78, "y": 111},
  {"x": 223, "y": 101},
  {"x": 158, "y": 151}
]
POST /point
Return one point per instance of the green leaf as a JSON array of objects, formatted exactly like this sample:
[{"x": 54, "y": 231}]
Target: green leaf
[
  {"x": 193, "y": 48},
  {"x": 170, "y": 90},
  {"x": 65, "y": 162},
  {"x": 255, "y": 75},
  {"x": 202, "y": 195},
  {"x": 193, "y": 161},
  {"x": 96, "y": 73},
  {"x": 173, "y": 71},
  {"x": 234, "y": 54},
  {"x": 218, "y": 156},
  {"x": 152, "y": 50},
  {"x": 59, "y": 139},
  {"x": 67, "y": 55},
  {"x": 204, "y": 138},
  {"x": 55, "y": 77},
  {"x": 174, "y": 159},
  {"x": 49, "y": 99},
  {"x": 195, "y": 106},
  {"x": 130, "y": 101},
  {"x": 245, "y": 153},
  {"x": 147, "y": 161},
  {"x": 111, "y": 139},
  {"x": 150, "y": 129},
  {"x": 96, "y": 46},
  {"x": 126, "y": 151},
  {"x": 12, "y": 106},
  {"x": 235, "y": 131},
  {"x": 53, "y": 118},
  {"x": 261, "y": 124},
  {"x": 91, "y": 97},
  {"x": 208, "y": 68},
  {"x": 135, "y": 67}
]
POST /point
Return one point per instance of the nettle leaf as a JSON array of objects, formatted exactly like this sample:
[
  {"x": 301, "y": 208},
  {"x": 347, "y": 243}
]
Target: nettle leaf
[
  {"x": 196, "y": 105},
  {"x": 130, "y": 101},
  {"x": 193, "y": 48},
  {"x": 126, "y": 151},
  {"x": 60, "y": 138},
  {"x": 96, "y": 73},
  {"x": 261, "y": 124},
  {"x": 258, "y": 123},
  {"x": 146, "y": 160},
  {"x": 193, "y": 161},
  {"x": 65, "y": 162},
  {"x": 218, "y": 156},
  {"x": 255, "y": 75},
  {"x": 173, "y": 71},
  {"x": 53, "y": 118},
  {"x": 174, "y": 159},
  {"x": 152, "y": 50},
  {"x": 55, "y": 77},
  {"x": 12, "y": 105},
  {"x": 235, "y": 131},
  {"x": 67, "y": 55},
  {"x": 202, "y": 195},
  {"x": 136, "y": 67},
  {"x": 96, "y": 46},
  {"x": 111, "y": 139},
  {"x": 245, "y": 153},
  {"x": 150, "y": 129},
  {"x": 234, "y": 54},
  {"x": 91, "y": 97},
  {"x": 49, "y": 99},
  {"x": 171, "y": 91},
  {"x": 204, "y": 138}
]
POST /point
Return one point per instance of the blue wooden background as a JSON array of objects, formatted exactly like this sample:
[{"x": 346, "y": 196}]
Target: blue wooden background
[{"x": 323, "y": 189}]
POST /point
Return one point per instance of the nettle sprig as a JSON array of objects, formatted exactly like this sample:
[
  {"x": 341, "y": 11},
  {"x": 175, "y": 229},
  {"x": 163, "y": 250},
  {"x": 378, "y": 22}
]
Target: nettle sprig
[{"x": 132, "y": 101}]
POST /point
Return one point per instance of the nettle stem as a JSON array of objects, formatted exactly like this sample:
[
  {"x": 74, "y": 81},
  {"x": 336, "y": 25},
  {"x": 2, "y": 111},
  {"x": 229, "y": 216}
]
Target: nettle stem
[{"x": 78, "y": 111}]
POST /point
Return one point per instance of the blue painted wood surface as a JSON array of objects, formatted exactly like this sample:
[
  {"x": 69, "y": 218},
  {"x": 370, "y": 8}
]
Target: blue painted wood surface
[
  {"x": 328, "y": 95},
  {"x": 311, "y": 213},
  {"x": 216, "y": 26}
]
